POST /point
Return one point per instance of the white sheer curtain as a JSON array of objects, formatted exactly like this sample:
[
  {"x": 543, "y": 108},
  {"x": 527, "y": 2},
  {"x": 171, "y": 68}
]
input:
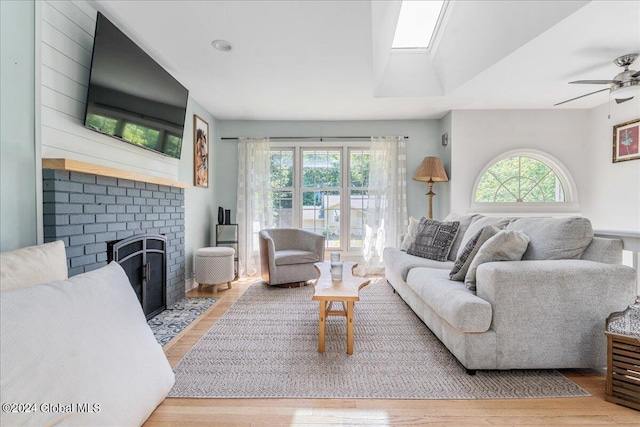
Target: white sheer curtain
[
  {"x": 254, "y": 210},
  {"x": 386, "y": 215}
]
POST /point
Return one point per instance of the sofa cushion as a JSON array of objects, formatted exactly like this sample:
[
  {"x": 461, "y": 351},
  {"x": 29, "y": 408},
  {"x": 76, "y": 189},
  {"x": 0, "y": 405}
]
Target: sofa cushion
[
  {"x": 478, "y": 223},
  {"x": 81, "y": 340},
  {"x": 33, "y": 265},
  {"x": 451, "y": 300},
  {"x": 506, "y": 245},
  {"x": 554, "y": 238},
  {"x": 465, "y": 221},
  {"x": 434, "y": 239},
  {"x": 401, "y": 262},
  {"x": 295, "y": 256},
  {"x": 410, "y": 237},
  {"x": 461, "y": 266}
]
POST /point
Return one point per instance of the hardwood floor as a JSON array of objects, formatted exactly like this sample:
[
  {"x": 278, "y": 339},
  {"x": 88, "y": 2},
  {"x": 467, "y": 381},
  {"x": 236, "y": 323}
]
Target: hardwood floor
[{"x": 584, "y": 411}]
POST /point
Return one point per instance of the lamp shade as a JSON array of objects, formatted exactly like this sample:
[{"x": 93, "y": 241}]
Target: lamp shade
[{"x": 431, "y": 169}]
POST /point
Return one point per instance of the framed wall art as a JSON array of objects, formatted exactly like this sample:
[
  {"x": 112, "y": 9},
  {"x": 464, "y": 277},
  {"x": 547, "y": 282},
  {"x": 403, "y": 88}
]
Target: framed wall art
[
  {"x": 625, "y": 141},
  {"x": 200, "y": 152}
]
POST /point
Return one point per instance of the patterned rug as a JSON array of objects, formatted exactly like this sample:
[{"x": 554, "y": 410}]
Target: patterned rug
[
  {"x": 173, "y": 320},
  {"x": 265, "y": 346}
]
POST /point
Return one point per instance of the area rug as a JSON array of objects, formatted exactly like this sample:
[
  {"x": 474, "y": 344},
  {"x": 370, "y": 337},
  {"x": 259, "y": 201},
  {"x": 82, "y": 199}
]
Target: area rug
[
  {"x": 266, "y": 346},
  {"x": 170, "y": 322}
]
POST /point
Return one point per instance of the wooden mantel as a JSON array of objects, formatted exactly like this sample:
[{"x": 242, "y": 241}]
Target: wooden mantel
[{"x": 84, "y": 167}]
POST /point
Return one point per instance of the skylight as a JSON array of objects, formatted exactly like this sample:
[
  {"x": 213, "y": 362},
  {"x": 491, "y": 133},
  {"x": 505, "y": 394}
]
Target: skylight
[{"x": 417, "y": 24}]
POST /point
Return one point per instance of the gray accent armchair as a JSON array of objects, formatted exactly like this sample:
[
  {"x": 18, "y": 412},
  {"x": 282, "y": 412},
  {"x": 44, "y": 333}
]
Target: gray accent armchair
[{"x": 288, "y": 255}]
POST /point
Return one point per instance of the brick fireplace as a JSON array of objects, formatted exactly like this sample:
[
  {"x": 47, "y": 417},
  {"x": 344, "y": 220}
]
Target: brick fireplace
[{"x": 87, "y": 211}]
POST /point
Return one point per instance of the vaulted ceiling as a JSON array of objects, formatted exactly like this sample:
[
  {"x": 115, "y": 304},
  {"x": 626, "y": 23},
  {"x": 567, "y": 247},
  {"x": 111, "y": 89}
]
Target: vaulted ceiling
[{"x": 332, "y": 60}]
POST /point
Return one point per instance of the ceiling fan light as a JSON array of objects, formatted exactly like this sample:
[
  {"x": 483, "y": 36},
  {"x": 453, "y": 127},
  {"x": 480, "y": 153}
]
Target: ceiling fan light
[{"x": 627, "y": 90}]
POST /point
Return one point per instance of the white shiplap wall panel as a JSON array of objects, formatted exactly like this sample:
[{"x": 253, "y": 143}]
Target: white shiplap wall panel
[
  {"x": 70, "y": 28},
  {"x": 65, "y": 45},
  {"x": 67, "y": 29},
  {"x": 64, "y": 65},
  {"x": 79, "y": 12},
  {"x": 61, "y": 102},
  {"x": 60, "y": 83}
]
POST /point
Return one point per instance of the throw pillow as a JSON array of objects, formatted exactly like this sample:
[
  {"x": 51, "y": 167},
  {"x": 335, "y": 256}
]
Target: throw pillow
[
  {"x": 434, "y": 239},
  {"x": 410, "y": 237},
  {"x": 554, "y": 238},
  {"x": 504, "y": 246},
  {"x": 460, "y": 268},
  {"x": 465, "y": 221},
  {"x": 478, "y": 223}
]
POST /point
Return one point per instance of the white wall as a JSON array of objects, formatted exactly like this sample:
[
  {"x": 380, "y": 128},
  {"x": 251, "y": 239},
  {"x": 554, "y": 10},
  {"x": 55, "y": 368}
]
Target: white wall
[
  {"x": 424, "y": 140},
  {"x": 613, "y": 188},
  {"x": 66, "y": 44},
  {"x": 18, "y": 171},
  {"x": 478, "y": 136}
]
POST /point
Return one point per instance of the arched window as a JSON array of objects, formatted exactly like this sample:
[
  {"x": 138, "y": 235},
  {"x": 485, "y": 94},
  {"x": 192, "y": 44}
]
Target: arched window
[{"x": 524, "y": 180}]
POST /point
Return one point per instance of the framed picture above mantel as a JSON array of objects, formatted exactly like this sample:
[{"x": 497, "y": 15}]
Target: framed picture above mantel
[
  {"x": 625, "y": 141},
  {"x": 200, "y": 152}
]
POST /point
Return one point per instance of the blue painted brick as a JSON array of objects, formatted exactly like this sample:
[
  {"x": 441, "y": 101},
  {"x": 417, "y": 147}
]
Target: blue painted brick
[
  {"x": 95, "y": 248},
  {"x": 95, "y": 266},
  {"x": 95, "y": 228},
  {"x": 158, "y": 224},
  {"x": 68, "y": 230},
  {"x": 106, "y": 237},
  {"x": 140, "y": 201},
  {"x": 133, "y": 192},
  {"x": 124, "y": 200},
  {"x": 124, "y": 234},
  {"x": 176, "y": 216},
  {"x": 158, "y": 209},
  {"x": 141, "y": 185},
  {"x": 107, "y": 181},
  {"x": 126, "y": 183},
  {"x": 180, "y": 196},
  {"x": 176, "y": 203},
  {"x": 125, "y": 217},
  {"x": 146, "y": 224},
  {"x": 95, "y": 209},
  {"x": 133, "y": 225},
  {"x": 164, "y": 188},
  {"x": 107, "y": 200},
  {"x": 165, "y": 216},
  {"x": 152, "y": 187},
  {"x": 82, "y": 198},
  {"x": 83, "y": 260},
  {"x": 82, "y": 219},
  {"x": 102, "y": 257},
  {"x": 158, "y": 194},
  {"x": 140, "y": 217},
  {"x": 170, "y": 222},
  {"x": 165, "y": 202},
  {"x": 133, "y": 209},
  {"x": 74, "y": 251},
  {"x": 146, "y": 193},
  {"x": 176, "y": 189},
  {"x": 171, "y": 196},
  {"x": 82, "y": 177},
  {"x": 116, "y": 226},
  {"x": 164, "y": 230},
  {"x": 146, "y": 209},
  {"x": 116, "y": 191},
  {"x": 106, "y": 218},
  {"x": 55, "y": 197},
  {"x": 153, "y": 217},
  {"x": 82, "y": 239},
  {"x": 153, "y": 202},
  {"x": 55, "y": 219},
  {"x": 66, "y": 186},
  {"x": 115, "y": 209},
  {"x": 170, "y": 209},
  {"x": 75, "y": 271},
  {"x": 95, "y": 189}
]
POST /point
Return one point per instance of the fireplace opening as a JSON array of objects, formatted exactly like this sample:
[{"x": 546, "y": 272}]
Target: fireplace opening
[{"x": 144, "y": 260}]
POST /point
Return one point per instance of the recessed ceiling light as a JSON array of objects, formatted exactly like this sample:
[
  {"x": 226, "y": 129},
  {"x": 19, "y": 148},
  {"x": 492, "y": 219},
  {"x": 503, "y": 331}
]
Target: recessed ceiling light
[{"x": 221, "y": 45}]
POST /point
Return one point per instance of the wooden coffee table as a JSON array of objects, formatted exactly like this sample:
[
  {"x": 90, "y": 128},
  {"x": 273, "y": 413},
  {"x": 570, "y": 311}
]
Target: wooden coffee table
[{"x": 345, "y": 291}]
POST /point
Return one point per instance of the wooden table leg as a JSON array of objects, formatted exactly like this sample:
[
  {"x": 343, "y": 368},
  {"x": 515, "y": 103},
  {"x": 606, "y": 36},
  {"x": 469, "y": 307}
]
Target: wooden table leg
[
  {"x": 321, "y": 324},
  {"x": 350, "y": 327}
]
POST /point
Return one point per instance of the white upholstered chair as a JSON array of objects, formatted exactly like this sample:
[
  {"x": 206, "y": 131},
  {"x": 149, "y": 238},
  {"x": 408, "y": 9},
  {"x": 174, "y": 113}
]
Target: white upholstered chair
[{"x": 288, "y": 255}]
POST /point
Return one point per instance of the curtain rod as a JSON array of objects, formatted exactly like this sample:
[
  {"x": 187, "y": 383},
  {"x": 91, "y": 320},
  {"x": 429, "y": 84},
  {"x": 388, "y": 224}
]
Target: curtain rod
[{"x": 321, "y": 138}]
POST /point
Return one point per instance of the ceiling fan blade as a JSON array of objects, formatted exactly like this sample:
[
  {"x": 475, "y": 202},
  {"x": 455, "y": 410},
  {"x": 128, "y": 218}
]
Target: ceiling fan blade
[
  {"x": 636, "y": 74},
  {"x": 621, "y": 100},
  {"x": 595, "y": 82},
  {"x": 581, "y": 96}
]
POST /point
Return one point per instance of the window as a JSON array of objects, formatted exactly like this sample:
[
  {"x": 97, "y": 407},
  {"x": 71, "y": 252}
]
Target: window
[
  {"x": 524, "y": 178},
  {"x": 311, "y": 186},
  {"x": 417, "y": 24}
]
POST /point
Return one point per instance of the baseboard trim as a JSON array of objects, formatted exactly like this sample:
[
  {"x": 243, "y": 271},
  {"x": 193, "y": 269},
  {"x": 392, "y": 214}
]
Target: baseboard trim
[{"x": 190, "y": 285}]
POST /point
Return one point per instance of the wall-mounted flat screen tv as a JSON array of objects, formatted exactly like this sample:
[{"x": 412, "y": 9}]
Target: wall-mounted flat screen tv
[{"x": 131, "y": 97}]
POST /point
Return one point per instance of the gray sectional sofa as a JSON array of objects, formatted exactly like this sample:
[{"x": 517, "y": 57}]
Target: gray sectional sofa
[{"x": 547, "y": 310}]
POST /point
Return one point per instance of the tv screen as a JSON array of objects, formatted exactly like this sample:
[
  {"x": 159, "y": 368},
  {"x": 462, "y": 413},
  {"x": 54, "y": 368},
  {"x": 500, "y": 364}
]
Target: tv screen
[{"x": 131, "y": 97}]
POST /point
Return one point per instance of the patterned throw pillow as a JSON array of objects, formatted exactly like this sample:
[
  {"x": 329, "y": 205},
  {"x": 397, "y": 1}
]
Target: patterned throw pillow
[
  {"x": 434, "y": 239},
  {"x": 460, "y": 268}
]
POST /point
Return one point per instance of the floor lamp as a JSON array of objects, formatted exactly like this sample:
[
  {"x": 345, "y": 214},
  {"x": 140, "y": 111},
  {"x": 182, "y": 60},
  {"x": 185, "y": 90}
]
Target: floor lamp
[{"x": 431, "y": 170}]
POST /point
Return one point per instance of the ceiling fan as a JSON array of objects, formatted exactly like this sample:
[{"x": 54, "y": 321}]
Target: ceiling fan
[{"x": 623, "y": 84}]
